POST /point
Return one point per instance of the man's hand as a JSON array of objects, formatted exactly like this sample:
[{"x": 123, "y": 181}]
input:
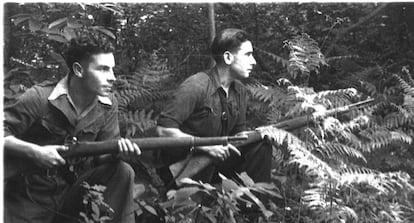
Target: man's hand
[
  {"x": 128, "y": 149},
  {"x": 48, "y": 156},
  {"x": 219, "y": 152}
]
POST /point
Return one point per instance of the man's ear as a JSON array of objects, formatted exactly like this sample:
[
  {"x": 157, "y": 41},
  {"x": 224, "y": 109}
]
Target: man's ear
[
  {"x": 228, "y": 57},
  {"x": 77, "y": 69}
]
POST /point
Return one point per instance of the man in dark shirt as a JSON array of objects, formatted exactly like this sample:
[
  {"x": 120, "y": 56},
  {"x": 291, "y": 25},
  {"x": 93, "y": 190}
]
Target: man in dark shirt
[
  {"x": 37, "y": 126},
  {"x": 213, "y": 103}
]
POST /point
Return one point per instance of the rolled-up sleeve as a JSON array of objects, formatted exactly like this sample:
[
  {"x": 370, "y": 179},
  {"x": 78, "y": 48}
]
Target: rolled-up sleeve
[
  {"x": 183, "y": 103},
  {"x": 20, "y": 115}
]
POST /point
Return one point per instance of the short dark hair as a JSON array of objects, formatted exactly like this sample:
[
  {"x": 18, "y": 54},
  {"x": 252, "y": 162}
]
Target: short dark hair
[
  {"x": 82, "y": 50},
  {"x": 227, "y": 40}
]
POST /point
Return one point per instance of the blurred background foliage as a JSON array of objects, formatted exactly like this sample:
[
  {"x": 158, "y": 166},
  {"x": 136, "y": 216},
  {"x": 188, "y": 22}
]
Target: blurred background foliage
[{"x": 310, "y": 57}]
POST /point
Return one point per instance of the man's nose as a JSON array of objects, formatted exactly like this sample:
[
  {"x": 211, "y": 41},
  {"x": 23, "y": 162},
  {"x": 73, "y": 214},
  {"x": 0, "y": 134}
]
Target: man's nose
[
  {"x": 111, "y": 76},
  {"x": 253, "y": 61}
]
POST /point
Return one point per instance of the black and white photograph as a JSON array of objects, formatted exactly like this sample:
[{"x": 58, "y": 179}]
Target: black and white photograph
[{"x": 208, "y": 112}]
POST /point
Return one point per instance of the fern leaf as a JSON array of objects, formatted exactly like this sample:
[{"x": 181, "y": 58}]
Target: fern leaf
[
  {"x": 384, "y": 182},
  {"x": 263, "y": 93},
  {"x": 137, "y": 122},
  {"x": 379, "y": 138},
  {"x": 275, "y": 57},
  {"x": 313, "y": 137},
  {"x": 298, "y": 151},
  {"x": 370, "y": 88},
  {"x": 356, "y": 124},
  {"x": 347, "y": 92},
  {"x": 407, "y": 88},
  {"x": 331, "y": 59},
  {"x": 343, "y": 150}
]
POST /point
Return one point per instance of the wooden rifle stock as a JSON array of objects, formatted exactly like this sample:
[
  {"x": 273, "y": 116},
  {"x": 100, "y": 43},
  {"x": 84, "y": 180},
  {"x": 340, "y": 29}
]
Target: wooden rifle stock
[
  {"x": 145, "y": 144},
  {"x": 188, "y": 168},
  {"x": 14, "y": 166}
]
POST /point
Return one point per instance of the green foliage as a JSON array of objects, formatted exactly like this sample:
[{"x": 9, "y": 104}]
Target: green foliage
[
  {"x": 230, "y": 202},
  {"x": 331, "y": 153},
  {"x": 305, "y": 56},
  {"x": 96, "y": 210}
]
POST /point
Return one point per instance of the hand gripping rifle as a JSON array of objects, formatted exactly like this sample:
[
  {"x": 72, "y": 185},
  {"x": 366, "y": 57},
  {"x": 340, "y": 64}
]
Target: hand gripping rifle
[
  {"x": 189, "y": 168},
  {"x": 15, "y": 165}
]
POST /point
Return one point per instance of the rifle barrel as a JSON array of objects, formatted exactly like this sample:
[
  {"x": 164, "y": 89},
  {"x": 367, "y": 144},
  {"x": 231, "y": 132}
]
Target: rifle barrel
[{"x": 146, "y": 144}]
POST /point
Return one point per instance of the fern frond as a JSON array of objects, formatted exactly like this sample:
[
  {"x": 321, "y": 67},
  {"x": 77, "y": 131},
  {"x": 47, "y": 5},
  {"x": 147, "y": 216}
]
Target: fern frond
[
  {"x": 313, "y": 137},
  {"x": 331, "y": 59},
  {"x": 128, "y": 96},
  {"x": 283, "y": 82},
  {"x": 330, "y": 149},
  {"x": 332, "y": 125},
  {"x": 313, "y": 165},
  {"x": 305, "y": 55},
  {"x": 328, "y": 208},
  {"x": 131, "y": 91},
  {"x": 384, "y": 182},
  {"x": 407, "y": 88},
  {"x": 315, "y": 198},
  {"x": 399, "y": 109},
  {"x": 137, "y": 122},
  {"x": 347, "y": 92},
  {"x": 265, "y": 93},
  {"x": 278, "y": 59},
  {"x": 370, "y": 88},
  {"x": 408, "y": 102},
  {"x": 274, "y": 116},
  {"x": 396, "y": 120},
  {"x": 379, "y": 138},
  {"x": 358, "y": 123},
  {"x": 356, "y": 175},
  {"x": 298, "y": 151}
]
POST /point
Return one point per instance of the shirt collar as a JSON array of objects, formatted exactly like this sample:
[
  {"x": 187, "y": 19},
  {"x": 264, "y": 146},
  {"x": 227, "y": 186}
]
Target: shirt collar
[
  {"x": 62, "y": 88},
  {"x": 216, "y": 81}
]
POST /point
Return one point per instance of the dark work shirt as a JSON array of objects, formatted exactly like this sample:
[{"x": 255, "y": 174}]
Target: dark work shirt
[
  {"x": 200, "y": 107},
  {"x": 44, "y": 115}
]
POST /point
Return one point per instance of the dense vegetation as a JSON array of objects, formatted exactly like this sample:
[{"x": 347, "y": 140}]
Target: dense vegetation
[{"x": 349, "y": 167}]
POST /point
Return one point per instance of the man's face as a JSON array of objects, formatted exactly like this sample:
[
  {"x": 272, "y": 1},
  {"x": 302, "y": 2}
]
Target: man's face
[
  {"x": 243, "y": 61},
  {"x": 98, "y": 75}
]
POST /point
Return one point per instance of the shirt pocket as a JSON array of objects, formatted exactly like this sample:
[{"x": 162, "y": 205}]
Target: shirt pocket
[
  {"x": 208, "y": 110},
  {"x": 89, "y": 133},
  {"x": 206, "y": 120},
  {"x": 53, "y": 131}
]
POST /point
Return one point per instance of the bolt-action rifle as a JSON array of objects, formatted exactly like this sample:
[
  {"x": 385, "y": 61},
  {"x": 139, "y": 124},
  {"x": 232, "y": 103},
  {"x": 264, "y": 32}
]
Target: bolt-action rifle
[
  {"x": 15, "y": 166},
  {"x": 190, "y": 167}
]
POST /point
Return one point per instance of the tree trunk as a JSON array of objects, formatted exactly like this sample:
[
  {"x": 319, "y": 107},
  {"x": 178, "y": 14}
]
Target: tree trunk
[
  {"x": 6, "y": 36},
  {"x": 212, "y": 28}
]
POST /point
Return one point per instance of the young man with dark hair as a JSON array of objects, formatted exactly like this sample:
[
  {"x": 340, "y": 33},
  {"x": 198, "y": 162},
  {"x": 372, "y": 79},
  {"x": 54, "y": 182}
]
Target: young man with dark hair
[
  {"x": 37, "y": 126},
  {"x": 213, "y": 103}
]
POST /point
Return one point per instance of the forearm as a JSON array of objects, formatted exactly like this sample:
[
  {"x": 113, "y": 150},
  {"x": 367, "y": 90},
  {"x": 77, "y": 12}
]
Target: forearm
[
  {"x": 19, "y": 148},
  {"x": 171, "y": 132},
  {"x": 175, "y": 132}
]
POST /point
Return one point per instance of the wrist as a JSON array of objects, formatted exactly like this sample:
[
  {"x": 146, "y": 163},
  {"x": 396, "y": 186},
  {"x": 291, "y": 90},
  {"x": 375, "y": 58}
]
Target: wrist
[
  {"x": 198, "y": 149},
  {"x": 33, "y": 151}
]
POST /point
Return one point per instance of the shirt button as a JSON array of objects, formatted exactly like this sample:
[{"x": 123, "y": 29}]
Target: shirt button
[{"x": 224, "y": 116}]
